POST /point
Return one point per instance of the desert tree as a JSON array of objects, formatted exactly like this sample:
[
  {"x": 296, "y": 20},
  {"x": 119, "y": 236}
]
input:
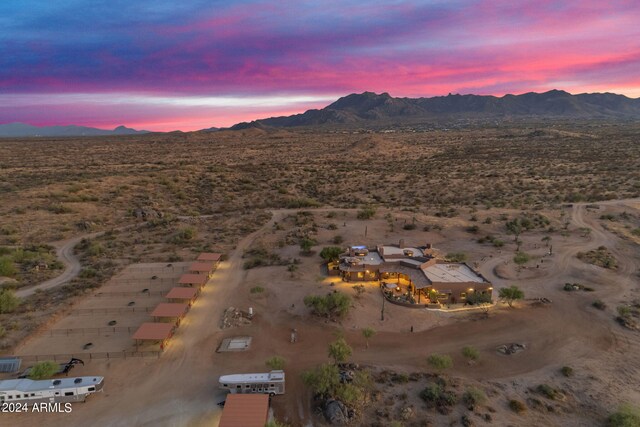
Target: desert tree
[
  {"x": 511, "y": 294},
  {"x": 440, "y": 362},
  {"x": 339, "y": 350}
]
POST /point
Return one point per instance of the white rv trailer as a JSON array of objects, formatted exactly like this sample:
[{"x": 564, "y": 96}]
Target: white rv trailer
[
  {"x": 24, "y": 390},
  {"x": 271, "y": 383}
]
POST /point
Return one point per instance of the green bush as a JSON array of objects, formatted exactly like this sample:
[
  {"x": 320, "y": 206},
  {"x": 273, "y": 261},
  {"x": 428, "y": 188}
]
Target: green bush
[
  {"x": 440, "y": 361},
  {"x": 276, "y": 363},
  {"x": 521, "y": 258},
  {"x": 474, "y": 396},
  {"x": 7, "y": 267},
  {"x": 567, "y": 371},
  {"x": 625, "y": 416},
  {"x": 547, "y": 391},
  {"x": 366, "y": 213},
  {"x": 456, "y": 257},
  {"x": 470, "y": 353},
  {"x": 44, "y": 370},
  {"x": 257, "y": 290},
  {"x": 8, "y": 301}
]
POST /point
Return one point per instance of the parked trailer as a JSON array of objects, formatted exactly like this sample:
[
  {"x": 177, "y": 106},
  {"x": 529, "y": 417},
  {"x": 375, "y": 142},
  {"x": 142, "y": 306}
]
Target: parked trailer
[
  {"x": 271, "y": 383},
  {"x": 57, "y": 390}
]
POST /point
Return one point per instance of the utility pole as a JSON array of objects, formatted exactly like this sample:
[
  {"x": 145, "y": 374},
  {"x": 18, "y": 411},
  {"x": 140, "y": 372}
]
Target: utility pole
[{"x": 382, "y": 312}]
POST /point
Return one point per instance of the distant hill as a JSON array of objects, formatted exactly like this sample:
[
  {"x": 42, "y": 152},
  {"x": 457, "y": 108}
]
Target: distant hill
[
  {"x": 370, "y": 108},
  {"x": 17, "y": 130}
]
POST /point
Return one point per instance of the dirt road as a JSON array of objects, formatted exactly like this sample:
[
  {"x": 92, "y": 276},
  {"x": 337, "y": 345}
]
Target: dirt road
[{"x": 64, "y": 252}]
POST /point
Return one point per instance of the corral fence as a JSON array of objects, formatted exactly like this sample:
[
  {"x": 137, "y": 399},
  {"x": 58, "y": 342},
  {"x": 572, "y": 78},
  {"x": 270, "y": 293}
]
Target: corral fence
[
  {"x": 146, "y": 280},
  {"x": 110, "y": 310},
  {"x": 90, "y": 356},
  {"x": 130, "y": 294},
  {"x": 92, "y": 331}
]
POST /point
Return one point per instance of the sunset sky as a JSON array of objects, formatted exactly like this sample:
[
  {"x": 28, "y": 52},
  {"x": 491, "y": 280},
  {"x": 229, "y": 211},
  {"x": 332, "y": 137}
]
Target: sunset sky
[{"x": 192, "y": 64}]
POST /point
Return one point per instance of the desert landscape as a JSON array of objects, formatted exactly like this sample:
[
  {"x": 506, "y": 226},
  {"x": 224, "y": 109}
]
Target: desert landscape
[{"x": 553, "y": 209}]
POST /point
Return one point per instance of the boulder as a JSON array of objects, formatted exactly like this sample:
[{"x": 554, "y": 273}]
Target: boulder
[{"x": 335, "y": 412}]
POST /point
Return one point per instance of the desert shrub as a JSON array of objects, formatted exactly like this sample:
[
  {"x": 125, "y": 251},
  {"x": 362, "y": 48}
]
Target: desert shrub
[
  {"x": 43, "y": 370},
  {"x": 275, "y": 362},
  {"x": 95, "y": 249},
  {"x": 625, "y": 416},
  {"x": 410, "y": 226},
  {"x": 337, "y": 239},
  {"x": 470, "y": 353},
  {"x": 474, "y": 396},
  {"x": 473, "y": 229},
  {"x": 435, "y": 394},
  {"x": 478, "y": 298},
  {"x": 275, "y": 423},
  {"x": 257, "y": 290},
  {"x": 366, "y": 213},
  {"x": 521, "y": 258},
  {"x": 8, "y": 301},
  {"x": 456, "y": 257},
  {"x": 547, "y": 391},
  {"x": 599, "y": 304},
  {"x": 517, "y": 406},
  {"x": 440, "y": 362},
  {"x": 349, "y": 394},
  {"x": 7, "y": 267},
  {"x": 636, "y": 231},
  {"x": 567, "y": 371},
  {"x": 333, "y": 304},
  {"x": 88, "y": 273}
]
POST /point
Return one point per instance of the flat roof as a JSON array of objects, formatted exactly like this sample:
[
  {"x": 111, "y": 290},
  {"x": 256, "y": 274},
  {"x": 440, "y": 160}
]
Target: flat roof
[
  {"x": 245, "y": 410},
  {"x": 25, "y": 384},
  {"x": 153, "y": 331},
  {"x": 193, "y": 279},
  {"x": 394, "y": 250},
  {"x": 201, "y": 266},
  {"x": 209, "y": 256},
  {"x": 170, "y": 309},
  {"x": 181, "y": 292},
  {"x": 452, "y": 273}
]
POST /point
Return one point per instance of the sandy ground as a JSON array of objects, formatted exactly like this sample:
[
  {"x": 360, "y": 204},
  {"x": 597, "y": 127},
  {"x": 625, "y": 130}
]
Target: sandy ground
[{"x": 180, "y": 389}]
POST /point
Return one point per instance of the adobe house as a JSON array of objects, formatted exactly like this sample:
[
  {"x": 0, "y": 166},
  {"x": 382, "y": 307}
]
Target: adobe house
[{"x": 415, "y": 267}]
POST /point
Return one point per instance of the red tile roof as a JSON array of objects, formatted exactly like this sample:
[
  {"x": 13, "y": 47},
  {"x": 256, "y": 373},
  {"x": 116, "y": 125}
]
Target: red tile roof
[
  {"x": 209, "y": 256},
  {"x": 245, "y": 410},
  {"x": 203, "y": 267},
  {"x": 170, "y": 309},
  {"x": 193, "y": 279},
  {"x": 181, "y": 293},
  {"x": 153, "y": 331}
]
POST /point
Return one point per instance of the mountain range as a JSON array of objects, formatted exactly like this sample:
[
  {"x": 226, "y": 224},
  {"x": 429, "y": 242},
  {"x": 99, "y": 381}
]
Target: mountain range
[
  {"x": 369, "y": 108},
  {"x": 17, "y": 130}
]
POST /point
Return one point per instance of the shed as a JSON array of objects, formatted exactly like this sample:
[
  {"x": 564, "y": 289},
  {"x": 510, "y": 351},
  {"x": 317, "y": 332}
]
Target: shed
[
  {"x": 170, "y": 310},
  {"x": 150, "y": 331},
  {"x": 198, "y": 280},
  {"x": 181, "y": 293},
  {"x": 202, "y": 268},
  {"x": 245, "y": 410},
  {"x": 209, "y": 256}
]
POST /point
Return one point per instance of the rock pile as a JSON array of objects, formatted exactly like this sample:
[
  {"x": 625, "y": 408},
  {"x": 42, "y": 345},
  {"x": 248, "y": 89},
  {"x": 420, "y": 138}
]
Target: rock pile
[{"x": 512, "y": 348}]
